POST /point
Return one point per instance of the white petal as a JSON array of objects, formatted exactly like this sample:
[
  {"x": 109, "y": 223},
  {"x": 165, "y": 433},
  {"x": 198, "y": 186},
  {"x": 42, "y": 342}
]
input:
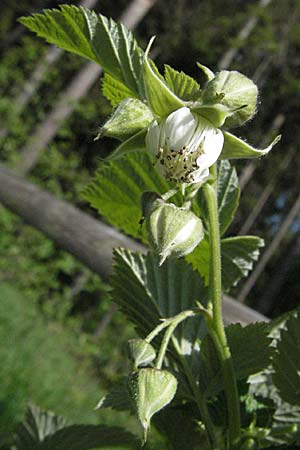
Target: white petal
[
  {"x": 178, "y": 129},
  {"x": 152, "y": 137},
  {"x": 212, "y": 147},
  {"x": 200, "y": 175}
]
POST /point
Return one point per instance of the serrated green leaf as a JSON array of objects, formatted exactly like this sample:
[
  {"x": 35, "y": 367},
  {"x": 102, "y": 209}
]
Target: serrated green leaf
[
  {"x": 250, "y": 350},
  {"x": 147, "y": 293},
  {"x": 235, "y": 147},
  {"x": 160, "y": 97},
  {"x": 238, "y": 256},
  {"x": 114, "y": 91},
  {"x": 42, "y": 430},
  {"x": 37, "y": 425},
  {"x": 66, "y": 28},
  {"x": 286, "y": 362},
  {"x": 228, "y": 194},
  {"x": 117, "y": 188},
  {"x": 118, "y": 398},
  {"x": 94, "y": 37},
  {"x": 85, "y": 437},
  {"x": 285, "y": 426},
  {"x": 210, "y": 379},
  {"x": 184, "y": 86}
]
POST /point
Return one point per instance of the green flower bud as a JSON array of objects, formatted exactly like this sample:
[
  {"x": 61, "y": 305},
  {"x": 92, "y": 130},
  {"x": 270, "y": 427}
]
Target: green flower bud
[
  {"x": 235, "y": 91},
  {"x": 172, "y": 231},
  {"x": 151, "y": 390},
  {"x": 129, "y": 117},
  {"x": 141, "y": 352}
]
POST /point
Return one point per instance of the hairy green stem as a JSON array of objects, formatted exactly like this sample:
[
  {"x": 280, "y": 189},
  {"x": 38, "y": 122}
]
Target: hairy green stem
[
  {"x": 216, "y": 327},
  {"x": 164, "y": 345},
  {"x": 171, "y": 323},
  {"x": 171, "y": 320}
]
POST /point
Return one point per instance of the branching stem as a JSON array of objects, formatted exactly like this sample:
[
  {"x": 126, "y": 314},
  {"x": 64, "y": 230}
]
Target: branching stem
[{"x": 171, "y": 323}]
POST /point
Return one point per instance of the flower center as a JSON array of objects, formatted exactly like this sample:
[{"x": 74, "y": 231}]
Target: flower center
[{"x": 179, "y": 165}]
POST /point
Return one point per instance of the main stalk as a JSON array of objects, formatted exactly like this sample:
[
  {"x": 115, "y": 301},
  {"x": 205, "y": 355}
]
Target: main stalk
[{"x": 216, "y": 327}]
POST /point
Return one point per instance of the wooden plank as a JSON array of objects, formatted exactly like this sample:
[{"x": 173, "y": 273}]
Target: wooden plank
[{"x": 81, "y": 235}]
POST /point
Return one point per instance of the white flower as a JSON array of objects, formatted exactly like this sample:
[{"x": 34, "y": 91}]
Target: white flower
[{"x": 185, "y": 145}]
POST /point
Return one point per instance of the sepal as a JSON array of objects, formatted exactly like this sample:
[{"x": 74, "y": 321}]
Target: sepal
[
  {"x": 150, "y": 390},
  {"x": 216, "y": 114},
  {"x": 160, "y": 98},
  {"x": 140, "y": 352},
  {"x": 128, "y": 118},
  {"x": 235, "y": 147},
  {"x": 209, "y": 74}
]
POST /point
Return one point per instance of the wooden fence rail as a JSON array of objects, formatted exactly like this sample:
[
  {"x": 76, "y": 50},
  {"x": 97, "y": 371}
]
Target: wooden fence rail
[{"x": 81, "y": 235}]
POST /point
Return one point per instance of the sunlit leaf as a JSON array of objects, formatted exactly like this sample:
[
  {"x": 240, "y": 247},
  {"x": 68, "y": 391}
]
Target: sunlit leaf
[
  {"x": 117, "y": 188},
  {"x": 93, "y": 36},
  {"x": 114, "y": 91},
  {"x": 184, "y": 86},
  {"x": 161, "y": 98}
]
